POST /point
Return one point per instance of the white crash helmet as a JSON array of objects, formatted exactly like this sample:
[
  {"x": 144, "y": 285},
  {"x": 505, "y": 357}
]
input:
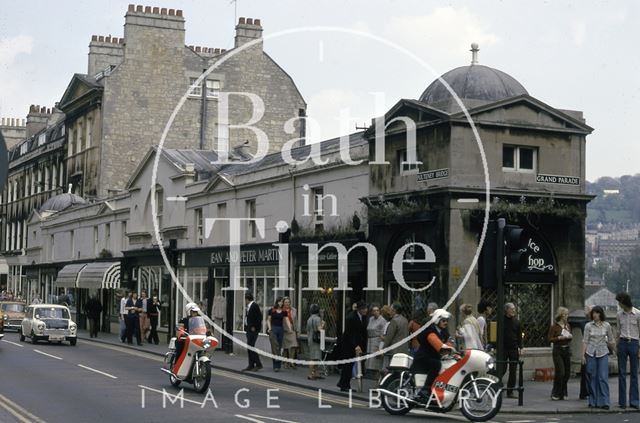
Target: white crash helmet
[
  {"x": 191, "y": 307},
  {"x": 439, "y": 315}
]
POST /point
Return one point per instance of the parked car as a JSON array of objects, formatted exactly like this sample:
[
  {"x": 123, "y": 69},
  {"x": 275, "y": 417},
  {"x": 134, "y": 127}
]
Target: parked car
[
  {"x": 48, "y": 322},
  {"x": 2, "y": 326},
  {"x": 12, "y": 312}
]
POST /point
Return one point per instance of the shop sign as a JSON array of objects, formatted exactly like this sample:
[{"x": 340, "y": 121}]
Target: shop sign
[
  {"x": 432, "y": 174},
  {"x": 260, "y": 255},
  {"x": 557, "y": 179}
]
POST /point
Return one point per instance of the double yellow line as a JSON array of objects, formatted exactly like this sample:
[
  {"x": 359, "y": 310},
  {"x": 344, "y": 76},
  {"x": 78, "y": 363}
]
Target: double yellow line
[{"x": 18, "y": 412}]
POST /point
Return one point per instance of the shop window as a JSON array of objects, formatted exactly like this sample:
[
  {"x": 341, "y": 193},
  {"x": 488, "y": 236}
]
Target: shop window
[{"x": 519, "y": 159}]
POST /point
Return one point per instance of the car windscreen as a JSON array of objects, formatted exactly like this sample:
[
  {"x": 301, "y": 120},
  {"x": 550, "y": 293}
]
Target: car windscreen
[
  {"x": 51, "y": 313},
  {"x": 13, "y": 308}
]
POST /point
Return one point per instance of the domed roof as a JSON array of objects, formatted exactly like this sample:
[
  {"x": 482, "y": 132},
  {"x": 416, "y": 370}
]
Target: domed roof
[
  {"x": 474, "y": 84},
  {"x": 61, "y": 202}
]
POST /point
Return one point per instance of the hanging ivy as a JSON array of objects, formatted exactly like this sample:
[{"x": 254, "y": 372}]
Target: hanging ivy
[
  {"x": 542, "y": 207},
  {"x": 387, "y": 212}
]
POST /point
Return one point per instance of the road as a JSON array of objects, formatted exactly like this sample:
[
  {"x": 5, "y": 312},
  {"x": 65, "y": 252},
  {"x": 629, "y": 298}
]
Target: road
[{"x": 102, "y": 383}]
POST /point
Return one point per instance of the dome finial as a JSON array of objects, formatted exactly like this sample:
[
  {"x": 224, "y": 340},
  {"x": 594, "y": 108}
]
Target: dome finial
[{"x": 474, "y": 53}]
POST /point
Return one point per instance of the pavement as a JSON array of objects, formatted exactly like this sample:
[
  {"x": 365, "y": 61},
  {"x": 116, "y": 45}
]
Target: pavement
[{"x": 536, "y": 394}]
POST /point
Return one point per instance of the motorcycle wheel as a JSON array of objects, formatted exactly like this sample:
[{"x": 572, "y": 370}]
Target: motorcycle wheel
[
  {"x": 201, "y": 383},
  {"x": 175, "y": 382},
  {"x": 393, "y": 405},
  {"x": 482, "y": 407}
]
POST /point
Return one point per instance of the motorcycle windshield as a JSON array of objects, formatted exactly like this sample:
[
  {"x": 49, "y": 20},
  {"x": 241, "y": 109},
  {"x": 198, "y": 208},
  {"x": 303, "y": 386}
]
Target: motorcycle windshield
[{"x": 197, "y": 326}]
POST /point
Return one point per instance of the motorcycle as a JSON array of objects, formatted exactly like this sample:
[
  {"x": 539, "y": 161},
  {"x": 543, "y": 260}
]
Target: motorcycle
[
  {"x": 464, "y": 380},
  {"x": 193, "y": 364}
]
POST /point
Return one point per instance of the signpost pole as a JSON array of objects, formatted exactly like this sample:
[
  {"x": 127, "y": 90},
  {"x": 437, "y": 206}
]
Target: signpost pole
[{"x": 500, "y": 356}]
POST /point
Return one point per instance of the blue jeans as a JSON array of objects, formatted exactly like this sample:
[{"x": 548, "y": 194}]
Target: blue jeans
[
  {"x": 278, "y": 334},
  {"x": 628, "y": 349},
  {"x": 598, "y": 368}
]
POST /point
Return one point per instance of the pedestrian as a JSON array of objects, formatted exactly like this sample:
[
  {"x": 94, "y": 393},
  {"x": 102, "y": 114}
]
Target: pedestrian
[
  {"x": 143, "y": 316},
  {"x": 275, "y": 330},
  {"x": 585, "y": 382},
  {"x": 252, "y": 327},
  {"x": 469, "y": 330},
  {"x": 597, "y": 340},
  {"x": 628, "y": 320},
  {"x": 418, "y": 320},
  {"x": 397, "y": 331},
  {"x": 290, "y": 341},
  {"x": 560, "y": 336},
  {"x": 353, "y": 342},
  {"x": 486, "y": 310},
  {"x": 375, "y": 338},
  {"x": 512, "y": 345},
  {"x": 314, "y": 326},
  {"x": 131, "y": 320},
  {"x": 431, "y": 308},
  {"x": 123, "y": 314},
  {"x": 93, "y": 308},
  {"x": 153, "y": 308}
]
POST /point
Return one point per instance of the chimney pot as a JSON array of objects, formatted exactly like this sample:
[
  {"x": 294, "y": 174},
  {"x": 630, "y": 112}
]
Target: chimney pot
[
  {"x": 241, "y": 21},
  {"x": 192, "y": 48},
  {"x": 121, "y": 41},
  {"x": 179, "y": 12},
  {"x": 132, "y": 8},
  {"x": 172, "y": 12},
  {"x": 147, "y": 9},
  {"x": 139, "y": 8},
  {"x": 198, "y": 49},
  {"x": 43, "y": 110},
  {"x": 107, "y": 39},
  {"x": 222, "y": 50},
  {"x": 249, "y": 21},
  {"x": 257, "y": 22},
  {"x": 156, "y": 10},
  {"x": 216, "y": 50},
  {"x": 94, "y": 38},
  {"x": 12, "y": 122},
  {"x": 101, "y": 39},
  {"x": 163, "y": 11}
]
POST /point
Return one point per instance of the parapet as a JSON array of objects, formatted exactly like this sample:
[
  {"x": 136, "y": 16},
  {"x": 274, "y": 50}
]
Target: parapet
[{"x": 13, "y": 122}]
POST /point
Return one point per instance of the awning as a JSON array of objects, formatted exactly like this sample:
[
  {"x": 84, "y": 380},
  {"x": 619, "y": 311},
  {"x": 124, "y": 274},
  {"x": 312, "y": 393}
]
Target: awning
[
  {"x": 103, "y": 275},
  {"x": 68, "y": 275},
  {"x": 4, "y": 267}
]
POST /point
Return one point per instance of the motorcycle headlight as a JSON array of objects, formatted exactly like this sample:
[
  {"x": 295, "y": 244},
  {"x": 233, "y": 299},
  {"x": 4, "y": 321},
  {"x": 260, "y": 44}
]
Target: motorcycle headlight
[
  {"x": 206, "y": 345},
  {"x": 491, "y": 364}
]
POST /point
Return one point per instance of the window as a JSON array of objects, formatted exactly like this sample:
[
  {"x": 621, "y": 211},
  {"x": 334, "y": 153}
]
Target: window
[
  {"x": 213, "y": 88},
  {"x": 250, "y": 207},
  {"x": 519, "y": 159},
  {"x": 95, "y": 241},
  {"x": 405, "y": 167},
  {"x": 318, "y": 211},
  {"x": 24, "y": 148},
  {"x": 72, "y": 245},
  {"x": 159, "y": 205},
  {"x": 195, "y": 90},
  {"x": 199, "y": 227},
  {"x": 41, "y": 139},
  {"x": 79, "y": 133},
  {"x": 89, "y": 132},
  {"x": 72, "y": 141},
  {"x": 124, "y": 238},
  {"x": 107, "y": 236}
]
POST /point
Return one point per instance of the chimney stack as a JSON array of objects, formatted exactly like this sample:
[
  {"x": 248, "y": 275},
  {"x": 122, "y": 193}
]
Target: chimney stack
[
  {"x": 248, "y": 29},
  {"x": 37, "y": 119}
]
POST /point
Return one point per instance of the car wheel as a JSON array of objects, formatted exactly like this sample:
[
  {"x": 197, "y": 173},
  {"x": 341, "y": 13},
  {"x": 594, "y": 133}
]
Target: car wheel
[
  {"x": 73, "y": 342},
  {"x": 21, "y": 336},
  {"x": 34, "y": 339}
]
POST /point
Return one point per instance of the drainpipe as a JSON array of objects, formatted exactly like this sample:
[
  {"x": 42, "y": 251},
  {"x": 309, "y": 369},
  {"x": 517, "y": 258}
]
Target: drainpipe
[{"x": 203, "y": 113}]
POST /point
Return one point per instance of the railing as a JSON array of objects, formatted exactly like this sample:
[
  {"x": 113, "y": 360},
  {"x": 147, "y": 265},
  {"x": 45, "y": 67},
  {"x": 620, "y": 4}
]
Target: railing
[{"x": 502, "y": 366}]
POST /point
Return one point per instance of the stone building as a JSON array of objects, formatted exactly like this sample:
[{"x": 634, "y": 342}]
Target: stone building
[
  {"x": 13, "y": 130},
  {"x": 120, "y": 108},
  {"x": 535, "y": 156}
]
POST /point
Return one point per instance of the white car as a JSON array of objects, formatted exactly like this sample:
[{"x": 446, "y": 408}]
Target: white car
[{"x": 48, "y": 322}]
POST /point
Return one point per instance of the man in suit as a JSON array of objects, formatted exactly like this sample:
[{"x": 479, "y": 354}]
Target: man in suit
[
  {"x": 252, "y": 326},
  {"x": 353, "y": 342},
  {"x": 397, "y": 330}
]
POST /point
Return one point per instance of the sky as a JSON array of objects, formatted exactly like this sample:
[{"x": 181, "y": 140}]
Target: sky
[{"x": 365, "y": 55}]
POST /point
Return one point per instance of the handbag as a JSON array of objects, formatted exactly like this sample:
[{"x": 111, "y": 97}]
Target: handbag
[{"x": 315, "y": 337}]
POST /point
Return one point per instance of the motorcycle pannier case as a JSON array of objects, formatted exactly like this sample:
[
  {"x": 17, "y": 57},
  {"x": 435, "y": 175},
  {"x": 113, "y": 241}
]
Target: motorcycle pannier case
[{"x": 401, "y": 361}]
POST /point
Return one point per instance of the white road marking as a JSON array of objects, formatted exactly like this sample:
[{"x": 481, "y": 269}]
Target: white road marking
[
  {"x": 272, "y": 418},
  {"x": 98, "y": 371},
  {"x": 240, "y": 416},
  {"x": 48, "y": 355},
  {"x": 168, "y": 394},
  {"x": 439, "y": 415},
  {"x": 13, "y": 343},
  {"x": 521, "y": 421},
  {"x": 11, "y": 407}
]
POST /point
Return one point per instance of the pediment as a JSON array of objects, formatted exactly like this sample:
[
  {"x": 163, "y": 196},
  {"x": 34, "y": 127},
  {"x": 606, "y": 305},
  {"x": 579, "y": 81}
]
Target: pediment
[
  {"x": 526, "y": 111},
  {"x": 415, "y": 110},
  {"x": 79, "y": 86}
]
